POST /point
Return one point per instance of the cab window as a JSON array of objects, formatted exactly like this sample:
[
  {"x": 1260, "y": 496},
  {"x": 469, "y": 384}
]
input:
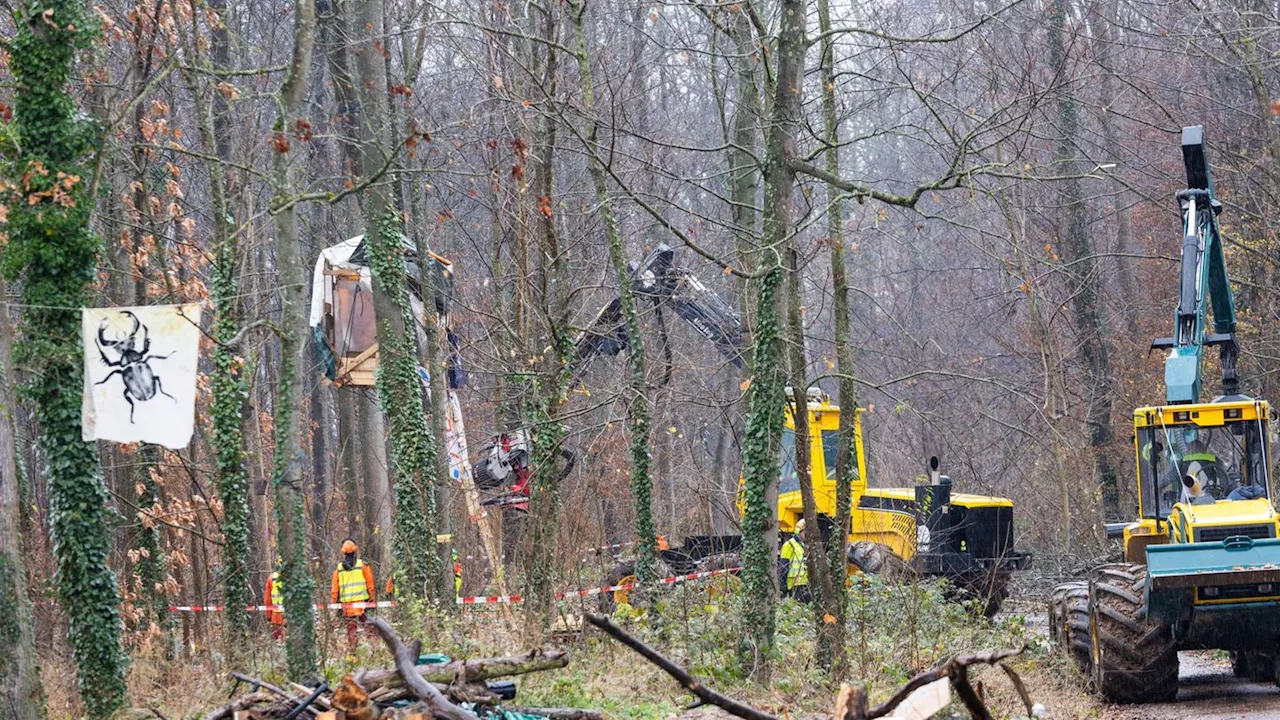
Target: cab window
[{"x": 788, "y": 481}]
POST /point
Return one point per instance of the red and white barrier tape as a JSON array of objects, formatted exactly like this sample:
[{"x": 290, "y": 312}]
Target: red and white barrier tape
[
  {"x": 469, "y": 599},
  {"x": 280, "y": 608}
]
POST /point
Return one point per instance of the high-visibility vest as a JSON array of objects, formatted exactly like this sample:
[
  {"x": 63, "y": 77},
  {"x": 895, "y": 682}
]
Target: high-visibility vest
[
  {"x": 1201, "y": 456},
  {"x": 351, "y": 585},
  {"x": 277, "y": 590},
  {"x": 797, "y": 573}
]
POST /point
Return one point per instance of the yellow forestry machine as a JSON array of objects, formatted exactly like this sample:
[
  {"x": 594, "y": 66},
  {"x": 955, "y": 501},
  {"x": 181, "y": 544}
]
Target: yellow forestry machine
[
  {"x": 966, "y": 538},
  {"x": 1201, "y": 563}
]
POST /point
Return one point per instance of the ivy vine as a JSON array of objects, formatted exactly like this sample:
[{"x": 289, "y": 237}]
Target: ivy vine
[
  {"x": 227, "y": 406},
  {"x": 419, "y": 569},
  {"x": 760, "y": 468},
  {"x": 53, "y": 252}
]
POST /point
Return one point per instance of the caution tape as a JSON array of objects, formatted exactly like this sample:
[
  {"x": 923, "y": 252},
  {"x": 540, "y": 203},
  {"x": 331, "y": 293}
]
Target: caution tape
[
  {"x": 469, "y": 599},
  {"x": 674, "y": 579},
  {"x": 280, "y": 608}
]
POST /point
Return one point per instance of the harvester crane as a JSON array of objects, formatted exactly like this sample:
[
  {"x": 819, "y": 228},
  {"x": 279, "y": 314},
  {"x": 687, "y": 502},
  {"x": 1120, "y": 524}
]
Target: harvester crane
[
  {"x": 1202, "y": 559},
  {"x": 1202, "y": 280}
]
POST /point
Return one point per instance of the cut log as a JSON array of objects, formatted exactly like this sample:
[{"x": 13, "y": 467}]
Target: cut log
[
  {"x": 244, "y": 702},
  {"x": 471, "y": 670},
  {"x": 441, "y": 708}
]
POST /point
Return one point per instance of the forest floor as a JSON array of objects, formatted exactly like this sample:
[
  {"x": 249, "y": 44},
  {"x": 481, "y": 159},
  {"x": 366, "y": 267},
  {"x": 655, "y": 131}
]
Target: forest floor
[{"x": 895, "y": 632}]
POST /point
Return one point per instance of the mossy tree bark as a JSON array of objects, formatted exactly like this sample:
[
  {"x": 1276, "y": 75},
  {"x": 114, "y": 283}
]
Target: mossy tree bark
[
  {"x": 54, "y": 253},
  {"x": 230, "y": 395},
  {"x": 831, "y": 653},
  {"x": 418, "y": 567},
  {"x": 765, "y": 412},
  {"x": 287, "y": 471},
  {"x": 1078, "y": 255},
  {"x": 21, "y": 696},
  {"x": 640, "y": 411}
]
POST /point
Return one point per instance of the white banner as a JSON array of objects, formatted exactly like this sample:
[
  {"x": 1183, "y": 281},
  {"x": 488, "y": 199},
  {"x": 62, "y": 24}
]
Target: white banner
[{"x": 140, "y": 368}]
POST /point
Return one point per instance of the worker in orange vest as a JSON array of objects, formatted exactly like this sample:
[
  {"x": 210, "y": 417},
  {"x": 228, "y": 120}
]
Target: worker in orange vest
[
  {"x": 352, "y": 583},
  {"x": 275, "y": 603}
]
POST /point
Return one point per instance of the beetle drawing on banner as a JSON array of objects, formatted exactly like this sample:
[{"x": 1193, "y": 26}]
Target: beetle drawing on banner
[{"x": 133, "y": 366}]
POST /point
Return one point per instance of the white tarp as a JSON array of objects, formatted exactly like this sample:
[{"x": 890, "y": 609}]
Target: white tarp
[
  {"x": 321, "y": 289},
  {"x": 140, "y": 366},
  {"x": 339, "y": 256}
]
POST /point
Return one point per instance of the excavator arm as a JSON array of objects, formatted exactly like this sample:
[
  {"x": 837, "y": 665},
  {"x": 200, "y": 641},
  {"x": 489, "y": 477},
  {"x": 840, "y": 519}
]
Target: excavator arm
[
  {"x": 658, "y": 280},
  {"x": 1203, "y": 283},
  {"x": 504, "y": 459}
]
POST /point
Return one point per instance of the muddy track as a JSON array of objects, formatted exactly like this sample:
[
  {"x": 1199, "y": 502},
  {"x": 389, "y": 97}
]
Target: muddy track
[{"x": 1207, "y": 690}]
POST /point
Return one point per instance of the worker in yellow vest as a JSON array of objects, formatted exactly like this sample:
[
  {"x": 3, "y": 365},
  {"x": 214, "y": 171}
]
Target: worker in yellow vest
[
  {"x": 797, "y": 572},
  {"x": 352, "y": 583},
  {"x": 275, "y": 603}
]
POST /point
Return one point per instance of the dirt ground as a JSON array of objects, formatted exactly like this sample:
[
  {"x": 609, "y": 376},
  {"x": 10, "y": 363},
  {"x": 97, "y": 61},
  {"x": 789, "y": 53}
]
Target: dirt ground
[{"x": 1208, "y": 691}]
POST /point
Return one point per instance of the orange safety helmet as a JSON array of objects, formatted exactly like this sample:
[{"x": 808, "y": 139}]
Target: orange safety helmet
[{"x": 349, "y": 546}]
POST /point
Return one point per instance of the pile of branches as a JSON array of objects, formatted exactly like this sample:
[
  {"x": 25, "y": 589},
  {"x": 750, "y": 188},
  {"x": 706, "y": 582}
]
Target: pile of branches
[{"x": 438, "y": 691}]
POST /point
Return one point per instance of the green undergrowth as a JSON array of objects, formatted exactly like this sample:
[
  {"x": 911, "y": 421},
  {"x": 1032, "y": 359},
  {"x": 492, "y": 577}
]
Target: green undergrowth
[{"x": 895, "y": 631}]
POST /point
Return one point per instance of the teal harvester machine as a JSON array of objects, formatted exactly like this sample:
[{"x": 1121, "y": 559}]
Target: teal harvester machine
[{"x": 1201, "y": 563}]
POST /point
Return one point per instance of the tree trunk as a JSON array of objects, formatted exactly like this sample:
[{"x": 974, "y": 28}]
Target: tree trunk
[
  {"x": 641, "y": 414},
  {"x": 418, "y": 569},
  {"x": 378, "y": 521},
  {"x": 52, "y": 248},
  {"x": 1082, "y": 268},
  {"x": 546, "y": 394},
  {"x": 21, "y": 696},
  {"x": 831, "y": 653},
  {"x": 287, "y": 471},
  {"x": 761, "y": 440},
  {"x": 229, "y": 399}
]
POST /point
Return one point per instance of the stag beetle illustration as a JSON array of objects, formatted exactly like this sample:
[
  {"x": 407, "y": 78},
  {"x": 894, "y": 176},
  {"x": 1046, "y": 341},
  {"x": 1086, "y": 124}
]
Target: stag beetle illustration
[{"x": 140, "y": 381}]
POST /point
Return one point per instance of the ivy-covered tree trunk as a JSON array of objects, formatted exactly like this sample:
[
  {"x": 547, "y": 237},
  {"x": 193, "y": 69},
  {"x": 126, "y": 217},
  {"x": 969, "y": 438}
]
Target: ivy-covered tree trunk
[
  {"x": 21, "y": 696},
  {"x": 765, "y": 413},
  {"x": 54, "y": 253},
  {"x": 639, "y": 410},
  {"x": 229, "y": 394},
  {"x": 1082, "y": 267},
  {"x": 286, "y": 474},
  {"x": 546, "y": 394},
  {"x": 832, "y": 655},
  {"x": 151, "y": 564},
  {"x": 418, "y": 568}
]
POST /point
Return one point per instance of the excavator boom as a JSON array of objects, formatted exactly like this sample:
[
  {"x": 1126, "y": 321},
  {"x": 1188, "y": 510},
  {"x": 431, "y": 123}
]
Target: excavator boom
[{"x": 1202, "y": 283}]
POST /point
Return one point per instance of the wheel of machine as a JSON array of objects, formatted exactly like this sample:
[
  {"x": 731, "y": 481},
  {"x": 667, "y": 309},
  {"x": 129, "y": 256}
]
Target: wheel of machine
[
  {"x": 1239, "y": 664},
  {"x": 992, "y": 592},
  {"x": 624, "y": 573},
  {"x": 1069, "y": 621},
  {"x": 873, "y": 558},
  {"x": 1133, "y": 659},
  {"x": 720, "y": 586}
]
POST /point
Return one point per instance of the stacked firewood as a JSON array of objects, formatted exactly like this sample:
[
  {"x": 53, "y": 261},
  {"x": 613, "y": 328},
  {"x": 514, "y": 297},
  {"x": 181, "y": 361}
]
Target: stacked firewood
[{"x": 456, "y": 690}]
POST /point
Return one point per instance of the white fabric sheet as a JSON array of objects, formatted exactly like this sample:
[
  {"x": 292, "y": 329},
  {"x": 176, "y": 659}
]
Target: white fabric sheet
[{"x": 140, "y": 367}]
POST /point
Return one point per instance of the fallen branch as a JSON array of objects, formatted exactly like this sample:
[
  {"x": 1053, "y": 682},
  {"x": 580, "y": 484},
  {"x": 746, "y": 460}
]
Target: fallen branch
[
  {"x": 472, "y": 670},
  {"x": 682, "y": 676},
  {"x": 440, "y": 706},
  {"x": 957, "y": 669},
  {"x": 243, "y": 702},
  {"x": 260, "y": 683}
]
